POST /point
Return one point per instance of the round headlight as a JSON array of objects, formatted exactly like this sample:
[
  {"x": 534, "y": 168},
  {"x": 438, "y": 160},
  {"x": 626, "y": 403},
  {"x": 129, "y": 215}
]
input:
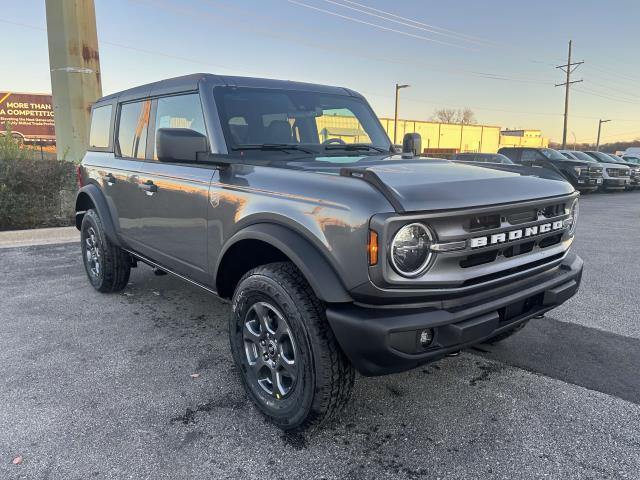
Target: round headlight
[
  {"x": 410, "y": 250},
  {"x": 575, "y": 210}
]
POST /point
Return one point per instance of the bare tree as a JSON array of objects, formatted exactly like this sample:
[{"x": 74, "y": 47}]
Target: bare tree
[
  {"x": 451, "y": 115},
  {"x": 466, "y": 116},
  {"x": 445, "y": 115}
]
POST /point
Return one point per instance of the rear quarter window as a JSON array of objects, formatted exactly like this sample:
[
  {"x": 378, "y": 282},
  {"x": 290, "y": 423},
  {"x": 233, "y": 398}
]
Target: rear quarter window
[
  {"x": 100, "y": 133},
  {"x": 132, "y": 129}
]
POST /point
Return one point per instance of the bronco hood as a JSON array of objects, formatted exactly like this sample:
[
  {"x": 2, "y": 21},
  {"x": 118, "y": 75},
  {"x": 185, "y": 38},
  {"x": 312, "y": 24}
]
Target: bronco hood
[{"x": 418, "y": 185}]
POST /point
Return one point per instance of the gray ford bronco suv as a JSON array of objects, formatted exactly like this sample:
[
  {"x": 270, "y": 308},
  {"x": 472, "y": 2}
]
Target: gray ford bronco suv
[{"x": 338, "y": 253}]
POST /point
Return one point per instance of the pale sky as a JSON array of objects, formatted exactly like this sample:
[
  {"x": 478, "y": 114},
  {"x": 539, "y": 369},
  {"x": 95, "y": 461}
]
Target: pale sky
[{"x": 497, "y": 57}]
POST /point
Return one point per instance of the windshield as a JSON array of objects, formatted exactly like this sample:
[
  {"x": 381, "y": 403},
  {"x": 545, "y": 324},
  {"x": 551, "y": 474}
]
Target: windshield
[
  {"x": 602, "y": 157},
  {"x": 269, "y": 120},
  {"x": 632, "y": 160},
  {"x": 552, "y": 154},
  {"x": 583, "y": 156},
  {"x": 499, "y": 158},
  {"x": 615, "y": 158}
]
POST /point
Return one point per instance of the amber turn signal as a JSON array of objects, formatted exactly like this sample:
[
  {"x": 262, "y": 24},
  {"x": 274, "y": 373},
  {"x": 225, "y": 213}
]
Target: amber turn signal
[{"x": 373, "y": 248}]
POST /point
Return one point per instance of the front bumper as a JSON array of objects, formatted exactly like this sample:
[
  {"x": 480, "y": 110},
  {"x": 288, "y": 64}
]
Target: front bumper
[
  {"x": 587, "y": 183},
  {"x": 616, "y": 183},
  {"x": 379, "y": 341}
]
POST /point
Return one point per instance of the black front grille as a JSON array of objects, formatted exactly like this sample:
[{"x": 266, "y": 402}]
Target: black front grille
[
  {"x": 516, "y": 218},
  {"x": 516, "y": 250},
  {"x": 617, "y": 172},
  {"x": 553, "y": 210},
  {"x": 511, "y": 271},
  {"x": 484, "y": 222}
]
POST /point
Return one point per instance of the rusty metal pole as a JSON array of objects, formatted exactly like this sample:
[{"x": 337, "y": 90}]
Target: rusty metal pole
[{"x": 75, "y": 72}]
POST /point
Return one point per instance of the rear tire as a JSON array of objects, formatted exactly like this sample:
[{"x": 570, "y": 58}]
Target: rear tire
[
  {"x": 107, "y": 266},
  {"x": 289, "y": 361}
]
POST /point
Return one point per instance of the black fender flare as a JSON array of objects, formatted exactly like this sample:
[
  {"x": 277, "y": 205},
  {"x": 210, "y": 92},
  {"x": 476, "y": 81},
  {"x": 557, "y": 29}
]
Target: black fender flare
[
  {"x": 321, "y": 276},
  {"x": 102, "y": 208}
]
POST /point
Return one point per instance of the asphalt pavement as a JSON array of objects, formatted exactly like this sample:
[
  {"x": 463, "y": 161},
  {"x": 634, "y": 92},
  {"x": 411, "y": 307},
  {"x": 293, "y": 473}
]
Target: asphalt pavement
[{"x": 101, "y": 386}]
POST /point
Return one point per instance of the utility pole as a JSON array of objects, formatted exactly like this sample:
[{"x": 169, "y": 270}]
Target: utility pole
[
  {"x": 569, "y": 68},
  {"x": 395, "y": 118},
  {"x": 600, "y": 122},
  {"x": 75, "y": 72}
]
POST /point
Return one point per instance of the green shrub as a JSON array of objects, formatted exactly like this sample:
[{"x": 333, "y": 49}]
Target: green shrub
[
  {"x": 34, "y": 193},
  {"x": 12, "y": 148}
]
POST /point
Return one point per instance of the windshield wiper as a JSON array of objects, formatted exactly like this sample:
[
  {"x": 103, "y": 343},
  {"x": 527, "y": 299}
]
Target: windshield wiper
[
  {"x": 273, "y": 146},
  {"x": 354, "y": 147}
]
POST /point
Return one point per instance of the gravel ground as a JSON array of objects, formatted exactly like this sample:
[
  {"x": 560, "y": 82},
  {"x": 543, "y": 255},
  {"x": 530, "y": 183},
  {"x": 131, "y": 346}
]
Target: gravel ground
[{"x": 100, "y": 386}]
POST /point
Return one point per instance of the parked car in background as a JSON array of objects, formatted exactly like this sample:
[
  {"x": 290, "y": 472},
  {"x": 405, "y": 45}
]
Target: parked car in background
[
  {"x": 634, "y": 166},
  {"x": 632, "y": 152},
  {"x": 482, "y": 158},
  {"x": 618, "y": 164},
  {"x": 583, "y": 175},
  {"x": 614, "y": 176}
]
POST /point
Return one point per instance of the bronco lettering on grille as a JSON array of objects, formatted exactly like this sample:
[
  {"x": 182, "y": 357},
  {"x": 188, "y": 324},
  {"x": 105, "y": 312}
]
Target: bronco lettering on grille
[{"x": 512, "y": 235}]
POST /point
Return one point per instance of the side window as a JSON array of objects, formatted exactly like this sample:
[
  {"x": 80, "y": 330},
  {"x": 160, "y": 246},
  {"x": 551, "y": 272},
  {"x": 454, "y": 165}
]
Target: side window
[
  {"x": 100, "y": 132},
  {"x": 529, "y": 156},
  {"x": 132, "y": 129},
  {"x": 181, "y": 111},
  {"x": 512, "y": 154}
]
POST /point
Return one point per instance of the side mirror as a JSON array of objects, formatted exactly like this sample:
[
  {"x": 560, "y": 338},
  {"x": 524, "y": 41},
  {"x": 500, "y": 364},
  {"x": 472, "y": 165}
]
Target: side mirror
[
  {"x": 411, "y": 145},
  {"x": 180, "y": 144}
]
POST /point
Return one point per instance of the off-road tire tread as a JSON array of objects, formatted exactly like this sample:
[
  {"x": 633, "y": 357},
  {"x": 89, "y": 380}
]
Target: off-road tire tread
[
  {"x": 334, "y": 381},
  {"x": 116, "y": 262}
]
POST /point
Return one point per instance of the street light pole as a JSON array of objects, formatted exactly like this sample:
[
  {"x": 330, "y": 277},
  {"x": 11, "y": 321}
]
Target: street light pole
[
  {"x": 395, "y": 118},
  {"x": 600, "y": 122}
]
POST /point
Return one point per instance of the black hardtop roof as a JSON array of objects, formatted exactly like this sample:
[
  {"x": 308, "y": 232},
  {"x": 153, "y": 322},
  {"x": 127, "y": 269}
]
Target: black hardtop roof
[{"x": 192, "y": 82}]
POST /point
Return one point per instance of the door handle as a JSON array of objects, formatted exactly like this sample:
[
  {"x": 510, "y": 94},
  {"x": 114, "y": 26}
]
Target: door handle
[
  {"x": 149, "y": 187},
  {"x": 109, "y": 179}
]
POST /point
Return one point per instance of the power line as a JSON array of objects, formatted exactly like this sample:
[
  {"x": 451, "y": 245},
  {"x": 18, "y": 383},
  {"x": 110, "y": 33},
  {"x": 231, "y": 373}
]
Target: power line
[
  {"x": 338, "y": 48},
  {"x": 408, "y": 22},
  {"x": 380, "y": 27},
  {"x": 624, "y": 93},
  {"x": 607, "y": 97},
  {"x": 470, "y": 37},
  {"x": 612, "y": 135},
  {"x": 434, "y": 102}
]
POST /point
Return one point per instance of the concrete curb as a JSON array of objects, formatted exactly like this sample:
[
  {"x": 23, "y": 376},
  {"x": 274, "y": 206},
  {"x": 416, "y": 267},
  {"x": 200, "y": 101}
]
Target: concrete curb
[{"x": 38, "y": 236}]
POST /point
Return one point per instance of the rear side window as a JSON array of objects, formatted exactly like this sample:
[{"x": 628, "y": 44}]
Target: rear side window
[
  {"x": 531, "y": 155},
  {"x": 182, "y": 111},
  {"x": 100, "y": 132},
  {"x": 509, "y": 153},
  {"x": 132, "y": 129}
]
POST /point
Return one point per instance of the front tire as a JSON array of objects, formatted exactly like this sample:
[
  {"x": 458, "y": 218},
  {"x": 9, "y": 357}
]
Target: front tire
[
  {"x": 107, "y": 266},
  {"x": 289, "y": 361}
]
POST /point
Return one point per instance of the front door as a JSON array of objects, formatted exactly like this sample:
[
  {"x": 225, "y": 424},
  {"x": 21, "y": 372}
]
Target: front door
[{"x": 174, "y": 222}]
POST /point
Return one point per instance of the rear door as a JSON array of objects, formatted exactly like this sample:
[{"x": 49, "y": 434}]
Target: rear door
[
  {"x": 120, "y": 179},
  {"x": 174, "y": 221}
]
